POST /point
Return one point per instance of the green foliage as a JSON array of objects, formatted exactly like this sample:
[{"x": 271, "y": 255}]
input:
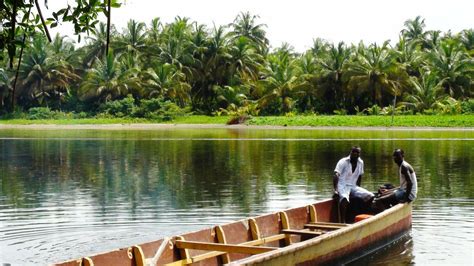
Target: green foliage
[
  {"x": 41, "y": 113},
  {"x": 120, "y": 108},
  {"x": 374, "y": 110},
  {"x": 340, "y": 112},
  {"x": 162, "y": 71},
  {"x": 467, "y": 107},
  {"x": 167, "y": 112}
]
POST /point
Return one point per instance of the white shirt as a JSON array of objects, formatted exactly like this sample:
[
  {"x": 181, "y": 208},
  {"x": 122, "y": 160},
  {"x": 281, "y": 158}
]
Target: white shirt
[
  {"x": 411, "y": 176},
  {"x": 346, "y": 176}
]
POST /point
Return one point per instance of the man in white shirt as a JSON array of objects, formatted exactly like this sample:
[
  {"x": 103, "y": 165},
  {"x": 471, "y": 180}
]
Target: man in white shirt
[{"x": 347, "y": 179}]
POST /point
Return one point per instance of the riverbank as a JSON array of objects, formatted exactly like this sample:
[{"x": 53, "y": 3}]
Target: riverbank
[{"x": 314, "y": 121}]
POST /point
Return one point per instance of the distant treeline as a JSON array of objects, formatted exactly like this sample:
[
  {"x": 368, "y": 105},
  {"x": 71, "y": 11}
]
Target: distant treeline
[{"x": 157, "y": 69}]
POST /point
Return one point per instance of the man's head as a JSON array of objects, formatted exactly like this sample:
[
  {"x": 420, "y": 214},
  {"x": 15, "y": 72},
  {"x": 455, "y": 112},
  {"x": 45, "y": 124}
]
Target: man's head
[
  {"x": 398, "y": 155},
  {"x": 355, "y": 153}
]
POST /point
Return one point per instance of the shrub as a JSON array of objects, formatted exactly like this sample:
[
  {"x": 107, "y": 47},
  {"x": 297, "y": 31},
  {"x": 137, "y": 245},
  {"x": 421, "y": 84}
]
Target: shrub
[
  {"x": 81, "y": 115},
  {"x": 120, "y": 108},
  {"x": 467, "y": 107},
  {"x": 36, "y": 113},
  {"x": 340, "y": 112},
  {"x": 374, "y": 110},
  {"x": 158, "y": 109}
]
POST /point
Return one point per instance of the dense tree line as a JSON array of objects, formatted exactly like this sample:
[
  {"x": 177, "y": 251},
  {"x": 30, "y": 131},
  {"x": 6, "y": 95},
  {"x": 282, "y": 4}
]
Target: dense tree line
[{"x": 233, "y": 69}]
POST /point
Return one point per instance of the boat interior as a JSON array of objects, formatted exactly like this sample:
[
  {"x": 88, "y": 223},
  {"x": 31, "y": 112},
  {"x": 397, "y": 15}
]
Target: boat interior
[{"x": 230, "y": 242}]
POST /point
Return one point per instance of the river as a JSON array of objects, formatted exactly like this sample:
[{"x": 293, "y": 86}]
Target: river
[{"x": 68, "y": 193}]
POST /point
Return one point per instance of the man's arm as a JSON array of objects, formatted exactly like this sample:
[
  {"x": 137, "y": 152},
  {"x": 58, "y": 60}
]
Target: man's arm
[
  {"x": 335, "y": 180},
  {"x": 406, "y": 174},
  {"x": 359, "y": 180}
]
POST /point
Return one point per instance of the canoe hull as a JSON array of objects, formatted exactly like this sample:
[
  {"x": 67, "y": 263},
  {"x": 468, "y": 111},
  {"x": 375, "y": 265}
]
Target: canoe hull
[{"x": 351, "y": 242}]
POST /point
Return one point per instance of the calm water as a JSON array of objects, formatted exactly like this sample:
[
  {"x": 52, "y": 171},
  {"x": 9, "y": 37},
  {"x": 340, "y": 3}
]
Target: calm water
[{"x": 70, "y": 193}]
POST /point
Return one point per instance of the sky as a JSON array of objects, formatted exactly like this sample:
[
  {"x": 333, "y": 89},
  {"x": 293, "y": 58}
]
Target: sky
[{"x": 299, "y": 22}]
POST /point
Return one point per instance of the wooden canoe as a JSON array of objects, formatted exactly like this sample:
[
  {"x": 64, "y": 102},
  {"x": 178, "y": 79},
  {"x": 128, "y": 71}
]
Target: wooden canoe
[{"x": 300, "y": 236}]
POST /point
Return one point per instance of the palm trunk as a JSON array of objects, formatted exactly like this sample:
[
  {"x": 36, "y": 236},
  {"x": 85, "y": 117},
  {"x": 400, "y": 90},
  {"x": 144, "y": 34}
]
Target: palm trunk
[
  {"x": 108, "y": 28},
  {"x": 394, "y": 104}
]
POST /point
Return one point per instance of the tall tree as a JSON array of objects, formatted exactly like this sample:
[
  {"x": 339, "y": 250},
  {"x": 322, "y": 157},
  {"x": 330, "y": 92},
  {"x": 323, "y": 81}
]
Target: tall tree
[
  {"x": 333, "y": 66},
  {"x": 133, "y": 39},
  {"x": 281, "y": 82},
  {"x": 450, "y": 62},
  {"x": 108, "y": 81},
  {"x": 414, "y": 30},
  {"x": 427, "y": 93},
  {"x": 246, "y": 25},
  {"x": 44, "y": 76},
  {"x": 375, "y": 71}
]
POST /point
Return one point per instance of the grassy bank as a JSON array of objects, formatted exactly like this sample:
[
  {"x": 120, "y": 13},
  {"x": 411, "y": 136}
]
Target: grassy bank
[
  {"x": 369, "y": 121},
  {"x": 352, "y": 121}
]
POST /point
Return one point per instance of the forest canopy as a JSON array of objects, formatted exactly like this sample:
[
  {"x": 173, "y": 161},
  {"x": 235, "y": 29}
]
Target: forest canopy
[{"x": 186, "y": 67}]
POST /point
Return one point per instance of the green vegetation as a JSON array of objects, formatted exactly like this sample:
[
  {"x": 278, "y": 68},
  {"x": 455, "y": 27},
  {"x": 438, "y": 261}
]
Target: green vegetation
[
  {"x": 299, "y": 120},
  {"x": 368, "y": 121},
  {"x": 166, "y": 72}
]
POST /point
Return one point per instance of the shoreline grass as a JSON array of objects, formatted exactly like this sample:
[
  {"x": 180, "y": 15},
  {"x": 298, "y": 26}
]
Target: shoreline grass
[{"x": 464, "y": 121}]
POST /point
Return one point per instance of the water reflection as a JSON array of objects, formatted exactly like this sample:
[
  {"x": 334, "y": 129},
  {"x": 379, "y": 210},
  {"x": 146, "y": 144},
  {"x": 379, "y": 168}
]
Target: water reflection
[{"x": 70, "y": 193}]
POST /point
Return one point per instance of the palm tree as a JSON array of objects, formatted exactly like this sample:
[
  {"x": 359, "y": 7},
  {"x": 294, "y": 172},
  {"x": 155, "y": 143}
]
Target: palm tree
[
  {"x": 176, "y": 46},
  {"x": 245, "y": 61},
  {"x": 245, "y": 25},
  {"x": 427, "y": 92},
  {"x": 310, "y": 73},
  {"x": 5, "y": 87},
  {"x": 432, "y": 39},
  {"x": 108, "y": 81},
  {"x": 375, "y": 70},
  {"x": 320, "y": 47},
  {"x": 97, "y": 44},
  {"x": 467, "y": 39},
  {"x": 414, "y": 31},
  {"x": 409, "y": 55},
  {"x": 454, "y": 66},
  {"x": 217, "y": 60},
  {"x": 333, "y": 66},
  {"x": 153, "y": 34},
  {"x": 133, "y": 39},
  {"x": 44, "y": 75},
  {"x": 281, "y": 83},
  {"x": 167, "y": 82},
  {"x": 61, "y": 46}
]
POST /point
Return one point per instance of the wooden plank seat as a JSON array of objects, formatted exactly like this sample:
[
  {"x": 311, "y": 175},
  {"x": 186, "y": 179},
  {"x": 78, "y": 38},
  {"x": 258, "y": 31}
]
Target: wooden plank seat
[
  {"x": 327, "y": 227},
  {"x": 222, "y": 248},
  {"x": 228, "y": 248},
  {"x": 315, "y": 224},
  {"x": 301, "y": 232}
]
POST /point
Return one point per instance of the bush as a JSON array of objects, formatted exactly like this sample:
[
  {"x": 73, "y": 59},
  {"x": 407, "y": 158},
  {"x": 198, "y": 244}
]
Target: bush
[
  {"x": 159, "y": 109},
  {"x": 81, "y": 115},
  {"x": 467, "y": 107},
  {"x": 120, "y": 108},
  {"x": 374, "y": 110},
  {"x": 148, "y": 107},
  {"x": 340, "y": 112},
  {"x": 450, "y": 106},
  {"x": 36, "y": 113}
]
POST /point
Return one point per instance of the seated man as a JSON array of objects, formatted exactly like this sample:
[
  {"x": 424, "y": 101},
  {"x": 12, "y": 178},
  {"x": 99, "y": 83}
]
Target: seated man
[
  {"x": 347, "y": 179},
  {"x": 408, "y": 185}
]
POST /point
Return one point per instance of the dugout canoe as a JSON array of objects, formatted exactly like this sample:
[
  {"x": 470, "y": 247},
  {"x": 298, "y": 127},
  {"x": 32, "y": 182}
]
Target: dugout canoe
[{"x": 305, "y": 235}]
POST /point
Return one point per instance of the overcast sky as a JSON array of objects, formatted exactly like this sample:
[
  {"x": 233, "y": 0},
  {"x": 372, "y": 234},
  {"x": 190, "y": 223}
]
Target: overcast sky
[{"x": 298, "y": 22}]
